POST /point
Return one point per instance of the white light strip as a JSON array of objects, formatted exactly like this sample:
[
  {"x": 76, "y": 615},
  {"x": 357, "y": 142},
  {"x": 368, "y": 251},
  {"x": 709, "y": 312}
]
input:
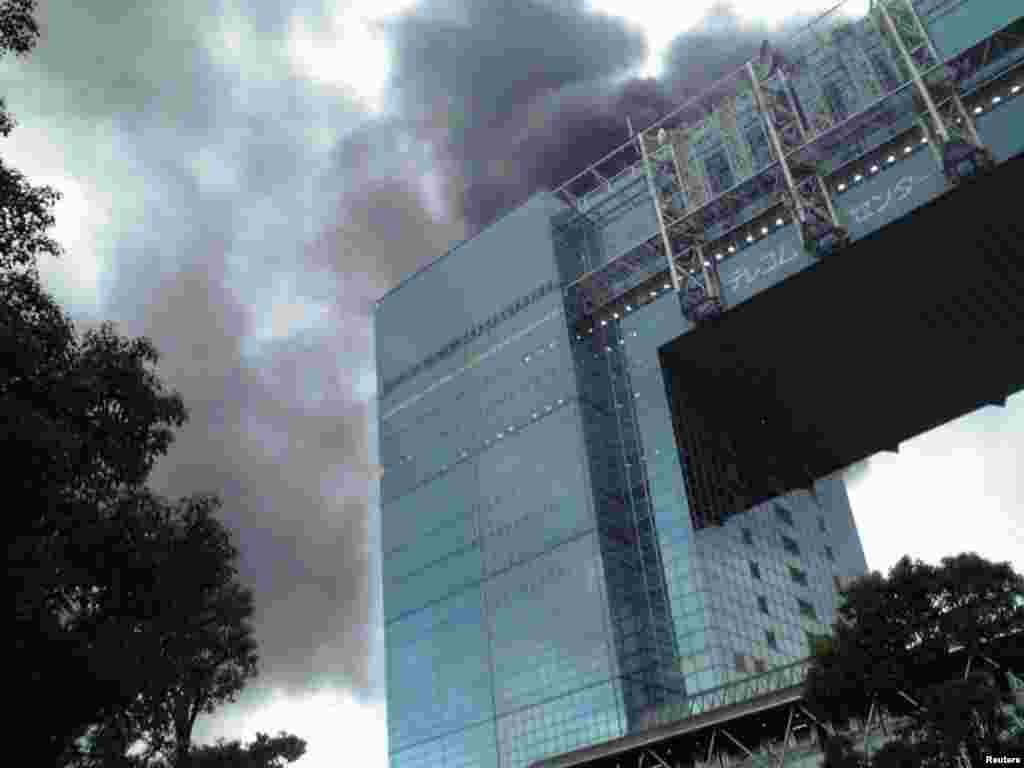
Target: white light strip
[{"x": 445, "y": 379}]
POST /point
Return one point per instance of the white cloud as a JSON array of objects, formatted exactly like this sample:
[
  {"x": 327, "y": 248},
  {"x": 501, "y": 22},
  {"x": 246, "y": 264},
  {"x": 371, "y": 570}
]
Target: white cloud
[
  {"x": 74, "y": 278},
  {"x": 338, "y": 730},
  {"x": 660, "y": 22},
  {"x": 354, "y": 54},
  {"x": 956, "y": 488},
  {"x": 81, "y": 215}
]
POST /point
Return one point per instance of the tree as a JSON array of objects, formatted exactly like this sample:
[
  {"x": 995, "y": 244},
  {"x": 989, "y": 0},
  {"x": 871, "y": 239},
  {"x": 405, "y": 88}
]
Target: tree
[
  {"x": 18, "y": 28},
  {"x": 25, "y": 211},
  {"x": 956, "y": 717},
  {"x": 173, "y": 625},
  {"x": 129, "y": 618},
  {"x": 896, "y": 754},
  {"x": 840, "y": 753},
  {"x": 82, "y": 420},
  {"x": 264, "y": 752},
  {"x": 898, "y": 640}
]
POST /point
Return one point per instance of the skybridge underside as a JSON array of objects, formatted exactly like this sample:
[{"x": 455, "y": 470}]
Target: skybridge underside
[{"x": 904, "y": 330}]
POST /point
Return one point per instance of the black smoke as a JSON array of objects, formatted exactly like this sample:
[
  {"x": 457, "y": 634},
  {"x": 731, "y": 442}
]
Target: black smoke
[{"x": 518, "y": 96}]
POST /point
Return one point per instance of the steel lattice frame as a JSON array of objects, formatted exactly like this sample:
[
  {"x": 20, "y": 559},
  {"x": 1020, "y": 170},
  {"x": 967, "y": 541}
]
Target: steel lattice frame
[
  {"x": 943, "y": 117},
  {"x": 808, "y": 196},
  {"x": 805, "y": 149}
]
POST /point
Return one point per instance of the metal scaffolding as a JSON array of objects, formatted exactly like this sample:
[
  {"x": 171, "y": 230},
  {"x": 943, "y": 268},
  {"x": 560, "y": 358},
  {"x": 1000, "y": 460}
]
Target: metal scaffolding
[
  {"x": 939, "y": 108},
  {"x": 771, "y": 134}
]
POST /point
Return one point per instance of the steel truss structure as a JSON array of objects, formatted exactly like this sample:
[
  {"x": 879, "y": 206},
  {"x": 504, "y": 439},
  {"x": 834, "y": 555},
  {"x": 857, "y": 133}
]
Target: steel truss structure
[
  {"x": 716, "y": 727},
  {"x": 941, "y": 111},
  {"x": 891, "y": 78}
]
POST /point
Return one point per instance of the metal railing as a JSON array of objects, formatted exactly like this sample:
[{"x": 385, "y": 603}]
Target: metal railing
[{"x": 777, "y": 679}]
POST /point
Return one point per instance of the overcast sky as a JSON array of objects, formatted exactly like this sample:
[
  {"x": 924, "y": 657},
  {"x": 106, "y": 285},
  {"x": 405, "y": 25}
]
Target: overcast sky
[{"x": 243, "y": 178}]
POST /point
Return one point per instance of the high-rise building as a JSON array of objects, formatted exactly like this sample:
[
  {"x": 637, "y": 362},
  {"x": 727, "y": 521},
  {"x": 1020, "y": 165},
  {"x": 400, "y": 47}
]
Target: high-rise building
[
  {"x": 545, "y": 586},
  {"x": 570, "y": 549}
]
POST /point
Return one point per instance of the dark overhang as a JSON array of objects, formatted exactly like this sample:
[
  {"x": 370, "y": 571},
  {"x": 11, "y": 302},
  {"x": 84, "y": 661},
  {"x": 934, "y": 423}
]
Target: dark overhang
[{"x": 911, "y": 327}]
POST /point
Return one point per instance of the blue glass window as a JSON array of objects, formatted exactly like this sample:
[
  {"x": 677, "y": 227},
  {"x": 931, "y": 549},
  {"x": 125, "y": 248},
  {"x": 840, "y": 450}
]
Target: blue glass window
[
  {"x": 758, "y": 142},
  {"x": 719, "y": 173},
  {"x": 798, "y": 576},
  {"x": 806, "y": 609},
  {"x": 783, "y": 514}
]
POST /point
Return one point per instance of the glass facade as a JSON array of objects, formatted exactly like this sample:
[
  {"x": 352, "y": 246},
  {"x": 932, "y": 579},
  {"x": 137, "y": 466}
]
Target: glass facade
[{"x": 545, "y": 587}]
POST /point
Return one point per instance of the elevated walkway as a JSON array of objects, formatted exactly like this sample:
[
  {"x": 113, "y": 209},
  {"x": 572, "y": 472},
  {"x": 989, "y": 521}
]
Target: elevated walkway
[{"x": 908, "y": 328}]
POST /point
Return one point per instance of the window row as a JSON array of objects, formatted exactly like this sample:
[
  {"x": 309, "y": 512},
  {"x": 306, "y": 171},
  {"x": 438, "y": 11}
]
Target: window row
[{"x": 492, "y": 322}]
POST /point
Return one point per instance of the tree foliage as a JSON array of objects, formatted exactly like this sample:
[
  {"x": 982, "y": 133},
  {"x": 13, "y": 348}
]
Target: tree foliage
[
  {"x": 958, "y": 716},
  {"x": 894, "y": 644},
  {"x": 174, "y": 621},
  {"x": 18, "y": 28},
  {"x": 130, "y": 620},
  {"x": 839, "y": 752},
  {"x": 26, "y": 212},
  {"x": 264, "y": 752}
]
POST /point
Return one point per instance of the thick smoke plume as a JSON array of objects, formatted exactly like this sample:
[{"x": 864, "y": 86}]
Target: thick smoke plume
[
  {"x": 516, "y": 96},
  {"x": 252, "y": 256}
]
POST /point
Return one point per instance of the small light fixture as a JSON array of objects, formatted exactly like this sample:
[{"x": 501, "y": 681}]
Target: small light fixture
[
  {"x": 750, "y": 238},
  {"x": 732, "y": 249},
  {"x": 978, "y": 110},
  {"x": 858, "y": 177},
  {"x": 906, "y": 150},
  {"x": 718, "y": 256},
  {"x": 924, "y": 139},
  {"x": 891, "y": 159},
  {"x": 996, "y": 99},
  {"x": 764, "y": 230},
  {"x": 629, "y": 308},
  {"x": 653, "y": 294},
  {"x": 778, "y": 222},
  {"x": 874, "y": 169},
  {"x": 604, "y": 322},
  {"x": 841, "y": 187},
  {"x": 1015, "y": 89},
  {"x": 615, "y": 315},
  {"x": 665, "y": 286}
]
